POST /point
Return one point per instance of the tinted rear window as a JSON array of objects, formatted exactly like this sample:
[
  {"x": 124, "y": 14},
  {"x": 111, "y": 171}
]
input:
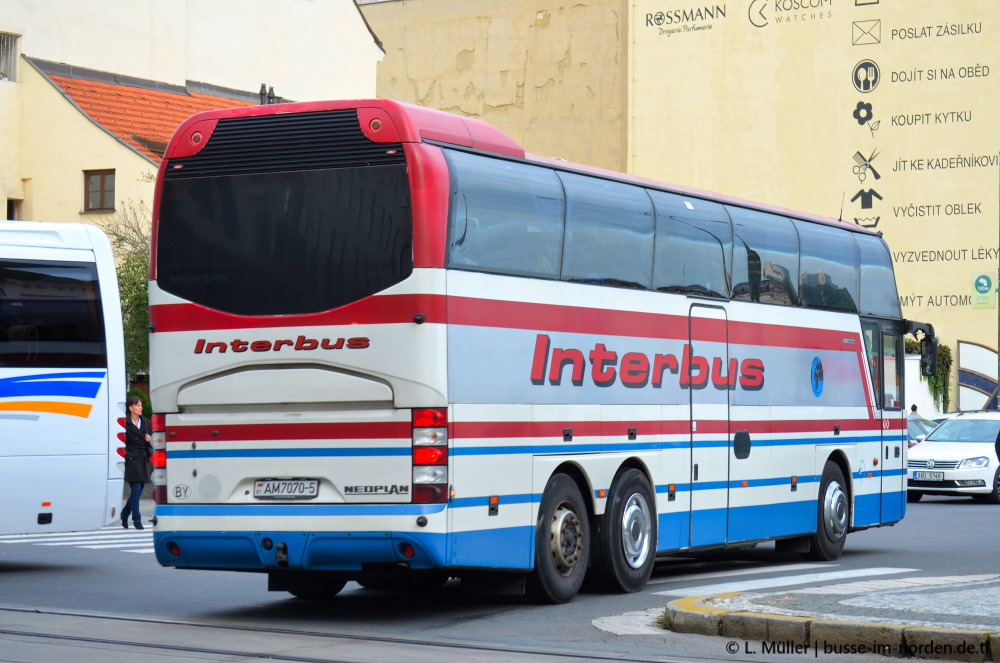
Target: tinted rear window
[
  {"x": 50, "y": 315},
  {"x": 291, "y": 242}
]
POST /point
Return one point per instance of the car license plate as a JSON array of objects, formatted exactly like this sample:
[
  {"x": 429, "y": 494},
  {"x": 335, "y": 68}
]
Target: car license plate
[
  {"x": 928, "y": 476},
  {"x": 278, "y": 489}
]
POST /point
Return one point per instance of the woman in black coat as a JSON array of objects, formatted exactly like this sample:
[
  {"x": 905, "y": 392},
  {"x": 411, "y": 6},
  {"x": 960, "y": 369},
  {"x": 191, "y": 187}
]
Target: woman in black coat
[{"x": 137, "y": 453}]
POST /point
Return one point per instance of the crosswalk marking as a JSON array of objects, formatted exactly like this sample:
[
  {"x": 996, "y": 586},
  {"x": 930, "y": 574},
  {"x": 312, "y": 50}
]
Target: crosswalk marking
[
  {"x": 762, "y": 583},
  {"x": 770, "y": 568},
  {"x": 111, "y": 537}
]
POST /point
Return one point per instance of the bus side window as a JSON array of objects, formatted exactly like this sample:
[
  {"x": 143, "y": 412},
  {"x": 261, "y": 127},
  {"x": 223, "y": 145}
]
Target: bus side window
[
  {"x": 609, "y": 232},
  {"x": 693, "y": 245},
  {"x": 890, "y": 370},
  {"x": 765, "y": 257},
  {"x": 505, "y": 218},
  {"x": 829, "y": 268},
  {"x": 870, "y": 333}
]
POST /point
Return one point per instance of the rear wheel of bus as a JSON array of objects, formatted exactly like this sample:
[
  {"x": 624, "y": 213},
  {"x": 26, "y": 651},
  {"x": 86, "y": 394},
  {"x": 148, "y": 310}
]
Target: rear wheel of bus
[
  {"x": 562, "y": 542},
  {"x": 625, "y": 537},
  {"x": 833, "y": 515}
]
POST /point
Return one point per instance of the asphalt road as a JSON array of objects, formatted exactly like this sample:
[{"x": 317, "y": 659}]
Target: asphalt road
[{"x": 102, "y": 596}]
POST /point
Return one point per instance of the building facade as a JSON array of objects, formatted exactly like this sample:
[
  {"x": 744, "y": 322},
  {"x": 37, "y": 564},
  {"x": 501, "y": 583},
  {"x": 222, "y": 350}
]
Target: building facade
[{"x": 91, "y": 92}]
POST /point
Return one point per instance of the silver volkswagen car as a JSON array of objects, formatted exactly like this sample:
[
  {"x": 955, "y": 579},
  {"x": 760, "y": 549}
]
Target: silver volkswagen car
[{"x": 959, "y": 457}]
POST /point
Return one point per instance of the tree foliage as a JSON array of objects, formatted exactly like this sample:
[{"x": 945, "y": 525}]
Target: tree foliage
[
  {"x": 940, "y": 382},
  {"x": 129, "y": 231}
]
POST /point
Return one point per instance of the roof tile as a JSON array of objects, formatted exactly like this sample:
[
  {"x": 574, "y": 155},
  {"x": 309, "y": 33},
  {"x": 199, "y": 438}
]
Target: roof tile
[{"x": 140, "y": 117}]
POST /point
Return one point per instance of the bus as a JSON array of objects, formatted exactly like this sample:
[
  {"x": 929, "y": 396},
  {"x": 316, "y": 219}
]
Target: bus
[
  {"x": 62, "y": 379},
  {"x": 391, "y": 346}
]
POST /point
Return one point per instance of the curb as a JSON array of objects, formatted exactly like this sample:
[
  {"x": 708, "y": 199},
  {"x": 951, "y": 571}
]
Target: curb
[{"x": 784, "y": 634}]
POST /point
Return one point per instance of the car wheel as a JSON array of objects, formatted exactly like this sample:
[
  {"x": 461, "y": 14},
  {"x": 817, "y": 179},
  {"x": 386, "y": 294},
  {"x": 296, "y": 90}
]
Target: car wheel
[
  {"x": 833, "y": 515},
  {"x": 913, "y": 495},
  {"x": 562, "y": 543},
  {"x": 625, "y": 539},
  {"x": 995, "y": 495}
]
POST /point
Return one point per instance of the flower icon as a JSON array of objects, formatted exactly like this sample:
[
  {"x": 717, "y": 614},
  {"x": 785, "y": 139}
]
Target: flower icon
[{"x": 863, "y": 112}]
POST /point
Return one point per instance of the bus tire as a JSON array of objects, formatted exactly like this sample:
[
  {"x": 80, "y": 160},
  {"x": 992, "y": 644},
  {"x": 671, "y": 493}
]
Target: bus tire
[
  {"x": 625, "y": 540},
  {"x": 833, "y": 515},
  {"x": 562, "y": 543},
  {"x": 913, "y": 495}
]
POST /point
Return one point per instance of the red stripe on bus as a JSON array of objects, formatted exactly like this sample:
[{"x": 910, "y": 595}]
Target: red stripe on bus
[
  {"x": 330, "y": 431},
  {"x": 582, "y": 320},
  {"x": 390, "y": 309},
  {"x": 383, "y": 309}
]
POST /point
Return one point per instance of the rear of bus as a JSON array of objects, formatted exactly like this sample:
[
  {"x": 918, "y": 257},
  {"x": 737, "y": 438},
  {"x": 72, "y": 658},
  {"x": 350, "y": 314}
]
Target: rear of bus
[
  {"x": 62, "y": 379},
  {"x": 298, "y": 345}
]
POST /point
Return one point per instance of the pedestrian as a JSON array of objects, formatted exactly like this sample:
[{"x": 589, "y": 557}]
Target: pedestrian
[
  {"x": 913, "y": 412},
  {"x": 137, "y": 453}
]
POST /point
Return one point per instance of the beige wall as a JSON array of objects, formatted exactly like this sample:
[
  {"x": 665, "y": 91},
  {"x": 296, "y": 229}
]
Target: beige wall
[
  {"x": 550, "y": 74},
  {"x": 58, "y": 144},
  {"x": 766, "y": 112},
  {"x": 10, "y": 140},
  {"x": 306, "y": 49}
]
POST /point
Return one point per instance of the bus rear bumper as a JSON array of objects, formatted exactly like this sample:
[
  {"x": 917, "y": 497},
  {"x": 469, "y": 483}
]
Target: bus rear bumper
[{"x": 317, "y": 551}]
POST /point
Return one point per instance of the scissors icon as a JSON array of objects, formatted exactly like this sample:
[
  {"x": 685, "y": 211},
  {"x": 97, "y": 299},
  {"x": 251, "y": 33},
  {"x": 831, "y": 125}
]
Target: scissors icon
[{"x": 864, "y": 165}]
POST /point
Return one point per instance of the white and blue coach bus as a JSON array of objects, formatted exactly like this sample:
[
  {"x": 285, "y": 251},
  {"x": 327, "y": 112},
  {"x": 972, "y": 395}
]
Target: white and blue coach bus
[{"x": 62, "y": 379}]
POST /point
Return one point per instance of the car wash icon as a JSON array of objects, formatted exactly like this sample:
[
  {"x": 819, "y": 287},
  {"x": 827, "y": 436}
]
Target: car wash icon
[
  {"x": 862, "y": 165},
  {"x": 863, "y": 114}
]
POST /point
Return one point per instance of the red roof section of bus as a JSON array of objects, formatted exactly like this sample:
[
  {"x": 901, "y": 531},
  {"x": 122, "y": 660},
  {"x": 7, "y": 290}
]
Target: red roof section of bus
[
  {"x": 410, "y": 124},
  {"x": 144, "y": 119}
]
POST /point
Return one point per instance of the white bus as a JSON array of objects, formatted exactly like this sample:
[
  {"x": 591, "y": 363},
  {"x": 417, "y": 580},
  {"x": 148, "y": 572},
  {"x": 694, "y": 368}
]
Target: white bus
[
  {"x": 391, "y": 346},
  {"x": 62, "y": 379}
]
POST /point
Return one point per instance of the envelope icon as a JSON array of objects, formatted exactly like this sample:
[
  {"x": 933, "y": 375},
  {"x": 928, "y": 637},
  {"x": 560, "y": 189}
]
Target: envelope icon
[
  {"x": 866, "y": 32},
  {"x": 862, "y": 3}
]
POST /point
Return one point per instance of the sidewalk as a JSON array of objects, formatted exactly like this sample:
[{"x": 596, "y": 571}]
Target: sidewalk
[{"x": 951, "y": 618}]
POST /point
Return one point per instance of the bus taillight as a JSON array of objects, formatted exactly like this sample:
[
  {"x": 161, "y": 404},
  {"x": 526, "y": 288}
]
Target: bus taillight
[
  {"x": 430, "y": 456},
  {"x": 158, "y": 440}
]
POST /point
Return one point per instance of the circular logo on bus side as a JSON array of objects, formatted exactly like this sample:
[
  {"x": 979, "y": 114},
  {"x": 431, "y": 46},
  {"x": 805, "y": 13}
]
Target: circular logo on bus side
[{"x": 817, "y": 377}]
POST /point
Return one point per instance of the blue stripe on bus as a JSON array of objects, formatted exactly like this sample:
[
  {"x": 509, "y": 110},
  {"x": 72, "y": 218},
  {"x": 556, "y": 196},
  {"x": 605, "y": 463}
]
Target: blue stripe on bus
[
  {"x": 510, "y": 547},
  {"x": 484, "y": 500},
  {"x": 53, "y": 384}
]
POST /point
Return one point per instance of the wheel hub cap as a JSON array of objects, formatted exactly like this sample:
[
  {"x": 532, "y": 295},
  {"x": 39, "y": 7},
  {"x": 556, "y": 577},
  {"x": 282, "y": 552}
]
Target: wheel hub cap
[
  {"x": 636, "y": 531},
  {"x": 565, "y": 540},
  {"x": 835, "y": 511}
]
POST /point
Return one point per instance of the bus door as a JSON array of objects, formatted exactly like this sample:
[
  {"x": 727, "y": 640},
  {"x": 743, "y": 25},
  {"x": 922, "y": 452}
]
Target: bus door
[
  {"x": 708, "y": 351},
  {"x": 884, "y": 346}
]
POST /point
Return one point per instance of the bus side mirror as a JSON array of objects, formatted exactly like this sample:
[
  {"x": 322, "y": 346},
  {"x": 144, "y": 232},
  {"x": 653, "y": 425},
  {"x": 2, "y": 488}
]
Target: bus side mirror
[{"x": 928, "y": 356}]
